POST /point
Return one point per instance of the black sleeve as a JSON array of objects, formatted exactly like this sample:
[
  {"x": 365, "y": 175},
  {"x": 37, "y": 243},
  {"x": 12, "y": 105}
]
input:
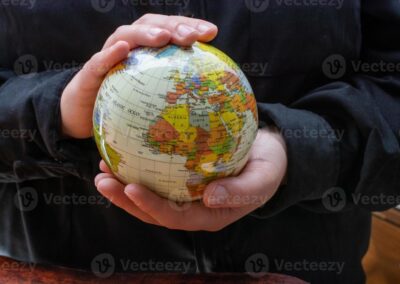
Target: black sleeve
[
  {"x": 31, "y": 142},
  {"x": 344, "y": 137}
]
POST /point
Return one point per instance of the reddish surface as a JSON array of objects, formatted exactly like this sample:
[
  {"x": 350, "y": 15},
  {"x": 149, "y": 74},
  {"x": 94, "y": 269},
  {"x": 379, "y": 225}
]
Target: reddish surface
[{"x": 12, "y": 271}]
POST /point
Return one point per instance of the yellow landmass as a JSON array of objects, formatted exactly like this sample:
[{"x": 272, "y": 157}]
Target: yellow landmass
[
  {"x": 233, "y": 122},
  {"x": 178, "y": 117}
]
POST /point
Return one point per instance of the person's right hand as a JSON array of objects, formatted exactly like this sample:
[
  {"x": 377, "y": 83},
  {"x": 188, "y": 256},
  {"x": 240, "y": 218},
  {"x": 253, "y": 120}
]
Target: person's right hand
[{"x": 79, "y": 96}]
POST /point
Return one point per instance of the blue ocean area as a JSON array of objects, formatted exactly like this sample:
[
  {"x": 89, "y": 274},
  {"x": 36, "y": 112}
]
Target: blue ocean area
[{"x": 170, "y": 51}]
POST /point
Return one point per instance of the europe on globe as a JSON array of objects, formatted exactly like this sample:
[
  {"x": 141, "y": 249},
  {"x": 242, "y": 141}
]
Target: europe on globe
[{"x": 175, "y": 119}]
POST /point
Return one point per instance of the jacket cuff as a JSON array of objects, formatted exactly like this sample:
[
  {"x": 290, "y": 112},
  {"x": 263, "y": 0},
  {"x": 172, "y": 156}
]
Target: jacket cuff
[
  {"x": 74, "y": 152},
  {"x": 313, "y": 156}
]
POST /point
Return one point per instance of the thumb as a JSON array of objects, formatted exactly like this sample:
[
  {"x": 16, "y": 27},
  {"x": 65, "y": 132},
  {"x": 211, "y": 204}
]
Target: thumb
[
  {"x": 93, "y": 72},
  {"x": 254, "y": 186}
]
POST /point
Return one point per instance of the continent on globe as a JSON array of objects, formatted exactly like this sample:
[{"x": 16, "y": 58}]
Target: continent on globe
[{"x": 175, "y": 119}]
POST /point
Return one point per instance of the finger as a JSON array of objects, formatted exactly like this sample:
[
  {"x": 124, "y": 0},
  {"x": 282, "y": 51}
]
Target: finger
[
  {"x": 184, "y": 30},
  {"x": 196, "y": 217},
  {"x": 102, "y": 176},
  {"x": 206, "y": 31},
  {"x": 251, "y": 188},
  {"x": 104, "y": 168},
  {"x": 93, "y": 72},
  {"x": 114, "y": 191},
  {"x": 140, "y": 35}
]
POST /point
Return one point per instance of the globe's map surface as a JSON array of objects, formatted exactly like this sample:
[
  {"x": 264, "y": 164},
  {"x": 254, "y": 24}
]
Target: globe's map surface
[{"x": 175, "y": 119}]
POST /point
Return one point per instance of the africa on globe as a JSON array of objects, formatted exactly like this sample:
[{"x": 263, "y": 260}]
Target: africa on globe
[{"x": 175, "y": 119}]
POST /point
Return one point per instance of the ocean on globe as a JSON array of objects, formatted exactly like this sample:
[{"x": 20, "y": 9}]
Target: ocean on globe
[{"x": 175, "y": 119}]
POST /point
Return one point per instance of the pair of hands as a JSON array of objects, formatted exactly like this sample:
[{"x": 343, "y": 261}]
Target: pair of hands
[{"x": 225, "y": 201}]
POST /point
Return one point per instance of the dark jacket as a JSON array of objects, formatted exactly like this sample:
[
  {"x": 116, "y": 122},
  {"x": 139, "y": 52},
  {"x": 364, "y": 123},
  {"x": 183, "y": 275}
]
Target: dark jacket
[{"x": 341, "y": 124}]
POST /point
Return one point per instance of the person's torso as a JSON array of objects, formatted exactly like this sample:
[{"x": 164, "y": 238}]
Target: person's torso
[{"x": 274, "y": 42}]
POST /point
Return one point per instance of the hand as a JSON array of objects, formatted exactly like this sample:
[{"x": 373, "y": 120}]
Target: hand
[
  {"x": 225, "y": 201},
  {"x": 79, "y": 96}
]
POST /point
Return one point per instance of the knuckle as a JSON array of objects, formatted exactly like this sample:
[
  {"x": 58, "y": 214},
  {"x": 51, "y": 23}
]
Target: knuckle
[
  {"x": 172, "y": 25},
  {"x": 145, "y": 18},
  {"x": 120, "y": 29},
  {"x": 95, "y": 58},
  {"x": 112, "y": 38}
]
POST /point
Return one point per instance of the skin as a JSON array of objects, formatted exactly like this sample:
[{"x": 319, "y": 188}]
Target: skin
[{"x": 225, "y": 201}]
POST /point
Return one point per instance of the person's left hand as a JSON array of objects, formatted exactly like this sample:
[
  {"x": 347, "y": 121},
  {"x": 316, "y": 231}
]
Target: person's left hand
[{"x": 225, "y": 201}]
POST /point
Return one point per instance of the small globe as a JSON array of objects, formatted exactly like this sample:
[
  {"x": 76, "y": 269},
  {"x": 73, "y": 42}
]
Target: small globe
[{"x": 175, "y": 119}]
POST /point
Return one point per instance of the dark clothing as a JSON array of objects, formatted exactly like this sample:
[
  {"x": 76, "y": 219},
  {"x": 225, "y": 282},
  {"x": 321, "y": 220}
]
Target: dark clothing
[{"x": 341, "y": 132}]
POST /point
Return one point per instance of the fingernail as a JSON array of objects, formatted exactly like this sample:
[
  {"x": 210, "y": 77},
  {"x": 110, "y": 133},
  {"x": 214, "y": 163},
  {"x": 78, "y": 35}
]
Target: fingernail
[
  {"x": 129, "y": 189},
  {"x": 203, "y": 28},
  {"x": 155, "y": 31},
  {"x": 130, "y": 192},
  {"x": 99, "y": 187},
  {"x": 184, "y": 30},
  {"x": 219, "y": 196}
]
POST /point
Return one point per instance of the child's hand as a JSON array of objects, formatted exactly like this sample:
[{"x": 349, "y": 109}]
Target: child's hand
[{"x": 78, "y": 98}]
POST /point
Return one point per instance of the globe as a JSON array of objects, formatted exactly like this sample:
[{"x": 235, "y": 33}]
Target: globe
[{"x": 175, "y": 119}]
